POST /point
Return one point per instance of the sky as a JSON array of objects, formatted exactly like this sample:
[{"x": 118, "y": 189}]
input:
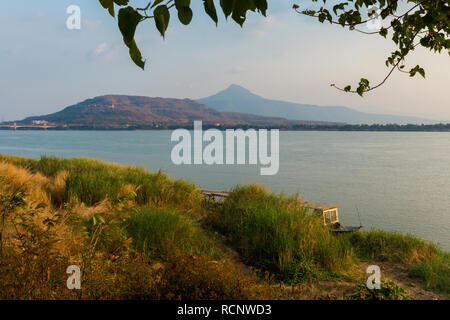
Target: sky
[{"x": 45, "y": 67}]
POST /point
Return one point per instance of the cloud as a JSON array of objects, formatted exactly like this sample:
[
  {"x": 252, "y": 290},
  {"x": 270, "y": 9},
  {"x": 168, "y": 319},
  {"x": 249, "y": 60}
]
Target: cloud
[
  {"x": 261, "y": 27},
  {"x": 101, "y": 48},
  {"x": 104, "y": 50}
]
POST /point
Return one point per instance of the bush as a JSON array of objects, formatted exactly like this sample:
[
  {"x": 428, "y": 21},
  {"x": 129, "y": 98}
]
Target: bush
[
  {"x": 32, "y": 260},
  {"x": 188, "y": 277},
  {"x": 276, "y": 234}
]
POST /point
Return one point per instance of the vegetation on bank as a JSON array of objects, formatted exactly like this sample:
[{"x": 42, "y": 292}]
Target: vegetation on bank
[
  {"x": 276, "y": 234},
  {"x": 390, "y": 127},
  {"x": 424, "y": 260},
  {"x": 141, "y": 235},
  {"x": 312, "y": 126}
]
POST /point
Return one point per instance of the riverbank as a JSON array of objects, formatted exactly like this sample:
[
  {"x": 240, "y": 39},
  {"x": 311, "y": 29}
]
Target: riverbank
[
  {"x": 137, "y": 234},
  {"x": 439, "y": 127}
]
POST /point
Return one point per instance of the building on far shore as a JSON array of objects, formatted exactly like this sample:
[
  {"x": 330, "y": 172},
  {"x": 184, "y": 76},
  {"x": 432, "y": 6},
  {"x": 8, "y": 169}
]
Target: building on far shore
[{"x": 40, "y": 123}]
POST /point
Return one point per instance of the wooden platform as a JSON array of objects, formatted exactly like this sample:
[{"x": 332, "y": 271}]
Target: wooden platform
[{"x": 215, "y": 193}]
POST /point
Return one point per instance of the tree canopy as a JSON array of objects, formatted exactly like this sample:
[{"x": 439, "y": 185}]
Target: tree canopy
[{"x": 424, "y": 23}]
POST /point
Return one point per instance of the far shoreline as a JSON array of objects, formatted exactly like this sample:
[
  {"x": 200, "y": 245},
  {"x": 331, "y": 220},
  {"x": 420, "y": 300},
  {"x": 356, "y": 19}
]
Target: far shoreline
[{"x": 441, "y": 127}]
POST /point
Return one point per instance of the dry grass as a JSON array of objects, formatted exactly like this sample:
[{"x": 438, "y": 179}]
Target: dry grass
[{"x": 13, "y": 178}]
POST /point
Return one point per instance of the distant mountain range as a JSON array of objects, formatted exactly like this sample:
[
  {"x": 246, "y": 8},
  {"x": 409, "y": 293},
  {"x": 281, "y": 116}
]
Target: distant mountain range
[
  {"x": 233, "y": 107},
  {"x": 120, "y": 111},
  {"x": 239, "y": 99}
]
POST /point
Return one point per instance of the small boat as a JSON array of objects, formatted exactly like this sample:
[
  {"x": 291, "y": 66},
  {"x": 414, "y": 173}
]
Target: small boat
[{"x": 330, "y": 214}]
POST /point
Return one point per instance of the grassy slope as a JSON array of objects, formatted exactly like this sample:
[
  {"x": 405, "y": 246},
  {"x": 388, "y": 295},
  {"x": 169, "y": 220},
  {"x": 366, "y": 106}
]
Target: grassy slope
[{"x": 152, "y": 237}]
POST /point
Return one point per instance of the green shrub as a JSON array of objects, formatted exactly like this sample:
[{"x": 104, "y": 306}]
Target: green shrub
[{"x": 388, "y": 291}]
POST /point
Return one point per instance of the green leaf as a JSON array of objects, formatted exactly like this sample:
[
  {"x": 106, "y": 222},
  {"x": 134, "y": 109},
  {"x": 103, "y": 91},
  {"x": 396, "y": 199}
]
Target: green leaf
[
  {"x": 416, "y": 69},
  {"x": 184, "y": 11},
  {"x": 210, "y": 9},
  {"x": 227, "y": 7},
  {"x": 182, "y": 3},
  {"x": 108, "y": 4},
  {"x": 360, "y": 91},
  {"x": 240, "y": 10},
  {"x": 121, "y": 2},
  {"x": 347, "y": 88},
  {"x": 136, "y": 55},
  {"x": 156, "y": 3},
  {"x": 422, "y": 72},
  {"x": 383, "y": 32},
  {"x": 185, "y": 15},
  {"x": 128, "y": 22},
  {"x": 261, "y": 5},
  {"x": 364, "y": 82},
  {"x": 162, "y": 18},
  {"x": 364, "y": 85}
]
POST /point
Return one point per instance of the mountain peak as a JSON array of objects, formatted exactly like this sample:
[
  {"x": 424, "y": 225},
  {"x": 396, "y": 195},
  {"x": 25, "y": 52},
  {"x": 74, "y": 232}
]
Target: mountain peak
[
  {"x": 237, "y": 88},
  {"x": 235, "y": 91}
]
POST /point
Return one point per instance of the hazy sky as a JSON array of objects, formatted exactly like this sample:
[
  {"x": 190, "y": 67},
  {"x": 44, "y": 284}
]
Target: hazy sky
[{"x": 45, "y": 67}]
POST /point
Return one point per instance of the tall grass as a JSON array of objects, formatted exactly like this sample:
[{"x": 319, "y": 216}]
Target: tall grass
[
  {"x": 378, "y": 245},
  {"x": 424, "y": 259},
  {"x": 434, "y": 273},
  {"x": 276, "y": 234},
  {"x": 153, "y": 229},
  {"x": 91, "y": 182}
]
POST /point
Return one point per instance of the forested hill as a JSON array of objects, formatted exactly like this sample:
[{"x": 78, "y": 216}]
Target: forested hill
[{"x": 120, "y": 111}]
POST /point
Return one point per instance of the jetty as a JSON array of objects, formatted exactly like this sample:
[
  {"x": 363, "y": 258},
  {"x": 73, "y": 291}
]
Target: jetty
[
  {"x": 16, "y": 126},
  {"x": 213, "y": 194}
]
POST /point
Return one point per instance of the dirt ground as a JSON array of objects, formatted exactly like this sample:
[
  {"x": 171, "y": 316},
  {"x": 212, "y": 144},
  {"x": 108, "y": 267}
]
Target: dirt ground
[{"x": 341, "y": 290}]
